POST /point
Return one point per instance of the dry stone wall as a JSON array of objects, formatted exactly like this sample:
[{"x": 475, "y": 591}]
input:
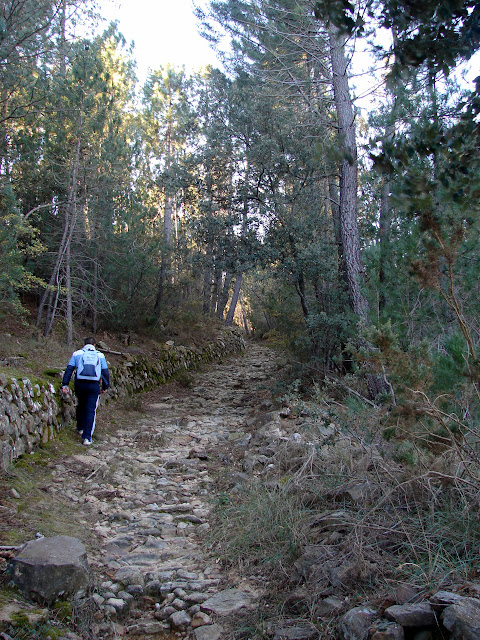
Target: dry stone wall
[{"x": 33, "y": 411}]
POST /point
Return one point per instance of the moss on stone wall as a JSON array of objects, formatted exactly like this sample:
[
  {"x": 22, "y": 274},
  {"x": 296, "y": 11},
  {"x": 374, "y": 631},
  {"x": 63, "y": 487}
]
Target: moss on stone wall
[{"x": 32, "y": 411}]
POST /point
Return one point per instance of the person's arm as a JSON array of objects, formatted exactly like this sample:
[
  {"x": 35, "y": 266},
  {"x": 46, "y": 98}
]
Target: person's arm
[
  {"x": 68, "y": 374},
  {"x": 105, "y": 375}
]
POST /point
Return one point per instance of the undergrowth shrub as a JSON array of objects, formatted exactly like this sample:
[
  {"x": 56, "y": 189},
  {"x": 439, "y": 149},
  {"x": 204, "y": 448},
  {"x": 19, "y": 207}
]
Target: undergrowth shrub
[
  {"x": 442, "y": 543},
  {"x": 260, "y": 525},
  {"x": 357, "y": 497}
]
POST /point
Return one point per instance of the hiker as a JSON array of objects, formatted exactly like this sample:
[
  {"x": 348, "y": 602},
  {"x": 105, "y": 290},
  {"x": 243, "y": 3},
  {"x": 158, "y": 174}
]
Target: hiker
[{"x": 90, "y": 368}]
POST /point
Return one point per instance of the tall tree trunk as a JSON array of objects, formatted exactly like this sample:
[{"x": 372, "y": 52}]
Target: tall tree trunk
[
  {"x": 267, "y": 320},
  {"x": 348, "y": 175},
  {"x": 95, "y": 292},
  {"x": 244, "y": 317},
  {"x": 223, "y": 298},
  {"x": 233, "y": 302},
  {"x": 385, "y": 201},
  {"x": 354, "y": 271},
  {"x": 217, "y": 290},
  {"x": 207, "y": 280},
  {"x": 238, "y": 280},
  {"x": 53, "y": 288},
  {"x": 334, "y": 199},
  {"x": 68, "y": 285},
  {"x": 52, "y": 309},
  {"x": 300, "y": 287},
  {"x": 165, "y": 267},
  {"x": 63, "y": 40},
  {"x": 384, "y": 227}
]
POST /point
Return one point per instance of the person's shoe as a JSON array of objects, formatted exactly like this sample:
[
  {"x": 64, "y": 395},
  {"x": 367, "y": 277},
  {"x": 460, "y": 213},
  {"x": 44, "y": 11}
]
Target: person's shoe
[
  {"x": 86, "y": 442},
  {"x": 80, "y": 432}
]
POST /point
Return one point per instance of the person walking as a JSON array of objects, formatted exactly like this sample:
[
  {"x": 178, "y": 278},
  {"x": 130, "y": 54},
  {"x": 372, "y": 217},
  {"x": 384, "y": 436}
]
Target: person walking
[{"x": 90, "y": 369}]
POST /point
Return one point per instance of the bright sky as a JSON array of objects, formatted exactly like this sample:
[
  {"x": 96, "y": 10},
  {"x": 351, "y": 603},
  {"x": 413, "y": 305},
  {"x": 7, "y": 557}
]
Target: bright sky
[
  {"x": 166, "y": 31},
  {"x": 163, "y": 31}
]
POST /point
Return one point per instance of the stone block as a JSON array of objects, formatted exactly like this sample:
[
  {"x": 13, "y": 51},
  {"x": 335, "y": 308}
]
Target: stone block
[
  {"x": 463, "y": 619},
  {"x": 51, "y": 568},
  {"x": 355, "y": 624}
]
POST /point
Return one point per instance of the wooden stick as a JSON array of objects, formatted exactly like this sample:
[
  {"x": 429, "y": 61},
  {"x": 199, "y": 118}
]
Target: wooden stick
[{"x": 8, "y": 548}]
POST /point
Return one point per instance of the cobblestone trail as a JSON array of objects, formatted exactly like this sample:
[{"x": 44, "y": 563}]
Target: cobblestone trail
[{"x": 147, "y": 491}]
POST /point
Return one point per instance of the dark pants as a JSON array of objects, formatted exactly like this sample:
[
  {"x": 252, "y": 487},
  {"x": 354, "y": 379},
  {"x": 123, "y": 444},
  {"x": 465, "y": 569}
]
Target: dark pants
[{"x": 87, "y": 399}]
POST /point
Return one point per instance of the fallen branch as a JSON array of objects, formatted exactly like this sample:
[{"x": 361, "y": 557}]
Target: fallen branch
[
  {"x": 114, "y": 353},
  {"x": 3, "y": 548},
  {"x": 102, "y": 466},
  {"x": 333, "y": 383}
]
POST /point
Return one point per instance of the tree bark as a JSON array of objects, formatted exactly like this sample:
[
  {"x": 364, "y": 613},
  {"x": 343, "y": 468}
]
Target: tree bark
[
  {"x": 165, "y": 267},
  {"x": 334, "y": 199},
  {"x": 300, "y": 287},
  {"x": 354, "y": 271},
  {"x": 348, "y": 175},
  {"x": 69, "y": 226},
  {"x": 68, "y": 285},
  {"x": 385, "y": 204},
  {"x": 244, "y": 317},
  {"x": 235, "y": 296},
  {"x": 223, "y": 297},
  {"x": 384, "y": 227},
  {"x": 207, "y": 280},
  {"x": 95, "y": 292}
]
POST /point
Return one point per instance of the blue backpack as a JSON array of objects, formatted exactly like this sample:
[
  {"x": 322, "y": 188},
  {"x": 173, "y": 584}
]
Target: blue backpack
[{"x": 89, "y": 366}]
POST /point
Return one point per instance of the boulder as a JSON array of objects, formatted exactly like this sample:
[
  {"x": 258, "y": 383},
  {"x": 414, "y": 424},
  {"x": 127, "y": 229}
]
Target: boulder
[
  {"x": 405, "y": 593},
  {"x": 180, "y": 620},
  {"x": 147, "y": 627},
  {"x": 312, "y": 565},
  {"x": 462, "y": 619},
  {"x": 119, "y": 604},
  {"x": 129, "y": 575},
  {"x": 328, "y": 607},
  {"x": 227, "y": 601},
  {"x": 418, "y": 614},
  {"x": 50, "y": 568},
  {"x": 346, "y": 574},
  {"x": 209, "y": 632},
  {"x": 9, "y": 611},
  {"x": 200, "y": 619},
  {"x": 390, "y": 632},
  {"x": 355, "y": 624},
  {"x": 445, "y": 598}
]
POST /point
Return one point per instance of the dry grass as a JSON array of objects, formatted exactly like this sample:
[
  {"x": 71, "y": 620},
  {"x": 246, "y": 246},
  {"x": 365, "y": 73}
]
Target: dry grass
[
  {"x": 352, "y": 515},
  {"x": 39, "y": 509},
  {"x": 260, "y": 526}
]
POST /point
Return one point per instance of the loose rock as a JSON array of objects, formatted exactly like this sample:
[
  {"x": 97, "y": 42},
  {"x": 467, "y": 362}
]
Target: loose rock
[
  {"x": 227, "y": 601},
  {"x": 50, "y": 568},
  {"x": 180, "y": 620},
  {"x": 355, "y": 624},
  {"x": 463, "y": 619},
  {"x": 209, "y": 632},
  {"x": 419, "y": 614}
]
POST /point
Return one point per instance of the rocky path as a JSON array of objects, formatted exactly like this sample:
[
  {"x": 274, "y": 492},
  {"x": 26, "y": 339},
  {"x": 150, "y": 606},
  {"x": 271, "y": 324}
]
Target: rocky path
[
  {"x": 147, "y": 488},
  {"x": 141, "y": 499}
]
